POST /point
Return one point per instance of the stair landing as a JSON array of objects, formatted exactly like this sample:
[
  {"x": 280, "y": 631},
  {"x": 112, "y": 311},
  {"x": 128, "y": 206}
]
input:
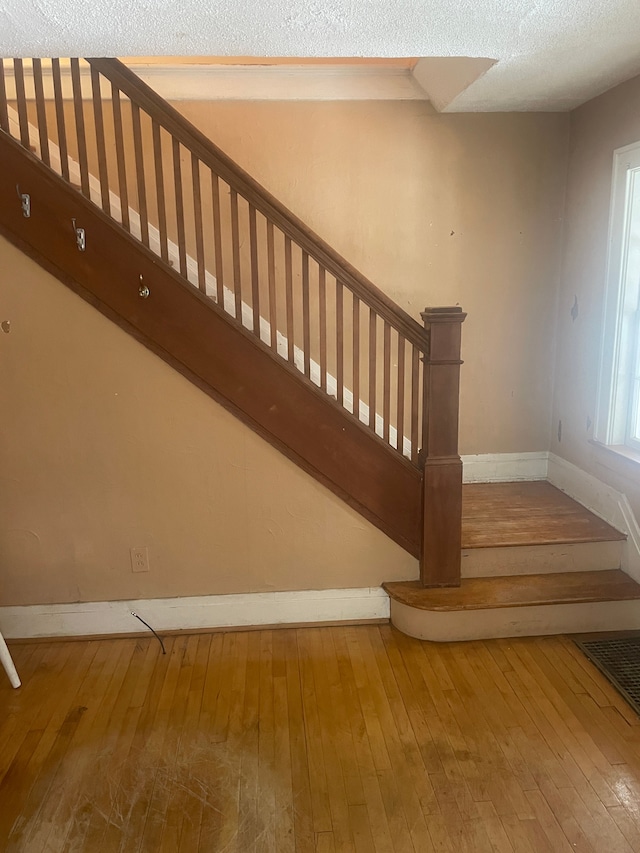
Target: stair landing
[
  {"x": 534, "y": 562},
  {"x": 535, "y": 513},
  {"x": 531, "y": 528}
]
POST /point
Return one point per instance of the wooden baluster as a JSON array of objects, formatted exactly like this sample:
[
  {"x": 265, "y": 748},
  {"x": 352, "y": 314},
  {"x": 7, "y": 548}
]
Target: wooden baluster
[
  {"x": 160, "y": 193},
  {"x": 100, "y": 142},
  {"x": 41, "y": 111},
  {"x": 4, "y": 112},
  {"x": 78, "y": 111},
  {"x": 340, "y": 341},
  {"x": 217, "y": 238},
  {"x": 139, "y": 160},
  {"x": 21, "y": 103},
  {"x": 306, "y": 320},
  {"x": 356, "y": 358},
  {"x": 373, "y": 347},
  {"x": 400, "y": 403},
  {"x": 415, "y": 401},
  {"x": 386, "y": 382},
  {"x": 255, "y": 280},
  {"x": 322, "y": 304},
  {"x": 289, "y": 297},
  {"x": 442, "y": 476},
  {"x": 60, "y": 120},
  {"x": 271, "y": 265},
  {"x": 235, "y": 242},
  {"x": 197, "y": 223},
  {"x": 120, "y": 157},
  {"x": 182, "y": 236}
]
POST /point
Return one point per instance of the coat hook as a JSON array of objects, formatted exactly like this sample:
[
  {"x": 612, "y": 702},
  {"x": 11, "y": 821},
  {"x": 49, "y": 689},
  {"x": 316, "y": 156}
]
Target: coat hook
[
  {"x": 143, "y": 290},
  {"x": 25, "y": 199},
  {"x": 81, "y": 237}
]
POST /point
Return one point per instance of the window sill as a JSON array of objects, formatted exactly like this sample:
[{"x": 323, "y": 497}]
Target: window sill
[{"x": 619, "y": 451}]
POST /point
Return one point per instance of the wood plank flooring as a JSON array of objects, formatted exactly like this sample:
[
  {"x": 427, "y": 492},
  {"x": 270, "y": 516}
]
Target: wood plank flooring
[
  {"x": 503, "y": 514},
  {"x": 315, "y": 740}
]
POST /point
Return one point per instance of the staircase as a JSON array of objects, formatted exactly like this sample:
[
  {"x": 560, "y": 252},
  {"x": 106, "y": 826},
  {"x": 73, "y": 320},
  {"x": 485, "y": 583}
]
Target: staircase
[
  {"x": 121, "y": 198},
  {"x": 534, "y": 562},
  {"x": 114, "y": 192}
]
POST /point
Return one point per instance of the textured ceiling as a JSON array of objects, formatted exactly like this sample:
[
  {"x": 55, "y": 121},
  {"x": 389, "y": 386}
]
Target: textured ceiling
[{"x": 551, "y": 54}]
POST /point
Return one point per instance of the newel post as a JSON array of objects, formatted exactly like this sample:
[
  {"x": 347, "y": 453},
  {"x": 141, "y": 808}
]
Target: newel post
[{"x": 440, "y": 553}]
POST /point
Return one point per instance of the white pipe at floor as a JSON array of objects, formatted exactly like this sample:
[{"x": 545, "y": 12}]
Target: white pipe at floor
[{"x": 8, "y": 664}]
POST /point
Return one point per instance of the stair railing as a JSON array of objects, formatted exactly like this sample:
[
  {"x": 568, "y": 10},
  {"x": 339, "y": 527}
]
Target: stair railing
[{"x": 102, "y": 129}]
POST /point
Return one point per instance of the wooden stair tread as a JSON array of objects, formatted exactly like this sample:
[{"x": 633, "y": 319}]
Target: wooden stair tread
[
  {"x": 518, "y": 591},
  {"x": 498, "y": 515}
]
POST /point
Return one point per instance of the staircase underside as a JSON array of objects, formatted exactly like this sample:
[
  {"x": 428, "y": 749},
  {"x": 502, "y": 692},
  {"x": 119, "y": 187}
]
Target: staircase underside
[{"x": 536, "y": 562}]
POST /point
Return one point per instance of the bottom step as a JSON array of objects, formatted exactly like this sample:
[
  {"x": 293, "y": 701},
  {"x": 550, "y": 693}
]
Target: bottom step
[{"x": 528, "y": 605}]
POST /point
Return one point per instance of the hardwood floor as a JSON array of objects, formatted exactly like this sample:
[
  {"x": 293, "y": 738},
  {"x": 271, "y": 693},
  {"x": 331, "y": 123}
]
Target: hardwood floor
[
  {"x": 328, "y": 739},
  {"x": 496, "y": 515}
]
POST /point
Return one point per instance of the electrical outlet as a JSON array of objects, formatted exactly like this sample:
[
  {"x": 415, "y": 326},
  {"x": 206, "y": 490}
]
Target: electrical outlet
[{"x": 139, "y": 559}]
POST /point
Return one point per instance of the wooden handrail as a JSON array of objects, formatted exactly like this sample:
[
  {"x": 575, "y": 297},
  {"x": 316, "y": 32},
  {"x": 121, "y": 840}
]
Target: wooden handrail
[{"x": 193, "y": 139}]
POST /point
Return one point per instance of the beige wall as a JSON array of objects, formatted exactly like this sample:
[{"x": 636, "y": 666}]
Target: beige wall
[
  {"x": 436, "y": 210},
  {"x": 103, "y": 447},
  {"x": 597, "y": 129}
]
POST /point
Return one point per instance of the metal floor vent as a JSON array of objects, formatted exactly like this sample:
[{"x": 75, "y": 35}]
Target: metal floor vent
[{"x": 619, "y": 661}]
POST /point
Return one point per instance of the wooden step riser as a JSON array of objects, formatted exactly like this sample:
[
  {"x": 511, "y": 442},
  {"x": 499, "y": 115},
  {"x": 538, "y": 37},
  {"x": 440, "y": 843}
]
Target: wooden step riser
[
  {"x": 541, "y": 559},
  {"x": 188, "y": 331},
  {"x": 534, "y": 621}
]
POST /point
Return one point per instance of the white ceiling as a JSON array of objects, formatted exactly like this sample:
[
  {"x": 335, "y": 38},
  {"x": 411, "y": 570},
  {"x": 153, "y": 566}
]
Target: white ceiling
[{"x": 551, "y": 54}]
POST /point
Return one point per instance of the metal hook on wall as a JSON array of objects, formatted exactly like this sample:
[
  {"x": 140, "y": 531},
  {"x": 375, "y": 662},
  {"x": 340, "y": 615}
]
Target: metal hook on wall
[
  {"x": 25, "y": 200},
  {"x": 143, "y": 290},
  {"x": 81, "y": 237}
]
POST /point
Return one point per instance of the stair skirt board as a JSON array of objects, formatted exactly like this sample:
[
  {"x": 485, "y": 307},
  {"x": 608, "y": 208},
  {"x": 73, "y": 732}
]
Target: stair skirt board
[
  {"x": 542, "y": 559},
  {"x": 504, "y": 622},
  {"x": 243, "y": 610}
]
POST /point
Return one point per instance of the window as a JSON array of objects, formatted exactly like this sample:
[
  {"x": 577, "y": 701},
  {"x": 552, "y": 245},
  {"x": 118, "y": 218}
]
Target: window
[{"x": 618, "y": 421}]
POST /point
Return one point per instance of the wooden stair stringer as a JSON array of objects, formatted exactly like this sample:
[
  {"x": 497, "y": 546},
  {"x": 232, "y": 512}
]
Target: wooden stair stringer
[{"x": 192, "y": 334}]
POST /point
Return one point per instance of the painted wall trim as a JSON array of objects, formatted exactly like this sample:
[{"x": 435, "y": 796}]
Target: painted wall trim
[
  {"x": 504, "y": 467},
  {"x": 604, "y": 501},
  {"x": 276, "y": 83},
  {"x": 254, "y": 82},
  {"x": 205, "y": 611}
]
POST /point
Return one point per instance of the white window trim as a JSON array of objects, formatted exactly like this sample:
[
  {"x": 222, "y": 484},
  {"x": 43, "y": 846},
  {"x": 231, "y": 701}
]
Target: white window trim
[{"x": 614, "y": 386}]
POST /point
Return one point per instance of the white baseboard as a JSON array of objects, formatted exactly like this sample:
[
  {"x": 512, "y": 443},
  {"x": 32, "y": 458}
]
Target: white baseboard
[
  {"x": 196, "y": 612},
  {"x": 504, "y": 467},
  {"x": 604, "y": 501}
]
